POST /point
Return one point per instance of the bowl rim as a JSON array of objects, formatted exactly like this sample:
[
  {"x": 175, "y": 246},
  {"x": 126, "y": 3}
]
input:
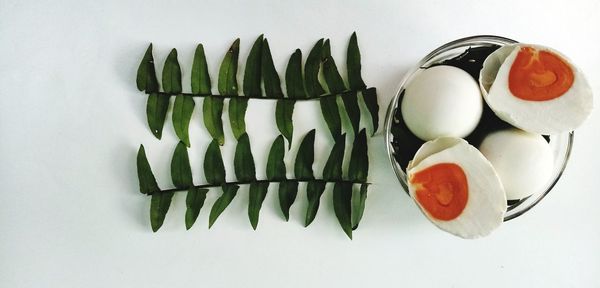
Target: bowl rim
[{"x": 471, "y": 40}]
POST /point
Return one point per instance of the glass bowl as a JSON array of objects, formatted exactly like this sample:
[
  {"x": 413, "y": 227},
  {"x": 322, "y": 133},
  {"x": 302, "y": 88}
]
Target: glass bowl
[{"x": 560, "y": 144}]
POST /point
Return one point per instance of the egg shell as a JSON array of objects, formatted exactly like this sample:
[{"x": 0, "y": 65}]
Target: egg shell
[
  {"x": 486, "y": 205},
  {"x": 554, "y": 116},
  {"x": 441, "y": 101},
  {"x": 524, "y": 161}
]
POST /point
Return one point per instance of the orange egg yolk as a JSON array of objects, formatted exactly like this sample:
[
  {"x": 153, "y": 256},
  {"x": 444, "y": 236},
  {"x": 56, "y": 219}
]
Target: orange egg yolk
[
  {"x": 539, "y": 75},
  {"x": 442, "y": 190}
]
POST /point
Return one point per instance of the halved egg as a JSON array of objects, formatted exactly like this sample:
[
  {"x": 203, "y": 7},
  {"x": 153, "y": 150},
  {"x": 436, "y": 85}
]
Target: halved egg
[
  {"x": 535, "y": 88},
  {"x": 457, "y": 188}
]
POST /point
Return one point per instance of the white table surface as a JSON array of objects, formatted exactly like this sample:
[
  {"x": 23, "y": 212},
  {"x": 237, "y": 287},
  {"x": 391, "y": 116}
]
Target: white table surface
[{"x": 71, "y": 120}]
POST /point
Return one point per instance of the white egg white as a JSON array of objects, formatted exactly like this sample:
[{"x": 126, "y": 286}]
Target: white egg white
[
  {"x": 561, "y": 114},
  {"x": 486, "y": 204},
  {"x": 441, "y": 101},
  {"x": 524, "y": 161}
]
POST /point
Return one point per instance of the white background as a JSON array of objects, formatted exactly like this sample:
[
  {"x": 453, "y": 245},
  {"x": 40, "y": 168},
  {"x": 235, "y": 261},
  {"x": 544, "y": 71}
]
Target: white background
[{"x": 71, "y": 120}]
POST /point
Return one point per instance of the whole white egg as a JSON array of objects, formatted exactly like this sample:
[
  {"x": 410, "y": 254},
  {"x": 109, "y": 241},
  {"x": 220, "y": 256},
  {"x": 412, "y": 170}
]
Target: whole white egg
[
  {"x": 524, "y": 161},
  {"x": 441, "y": 101}
]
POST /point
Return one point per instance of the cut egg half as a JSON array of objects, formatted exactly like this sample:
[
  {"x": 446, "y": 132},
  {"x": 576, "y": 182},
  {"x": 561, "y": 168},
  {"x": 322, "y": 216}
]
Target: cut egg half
[
  {"x": 536, "y": 89},
  {"x": 457, "y": 188}
]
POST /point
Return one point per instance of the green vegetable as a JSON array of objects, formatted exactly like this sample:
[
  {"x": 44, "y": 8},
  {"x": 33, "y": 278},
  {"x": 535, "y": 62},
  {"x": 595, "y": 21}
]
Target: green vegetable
[
  {"x": 275, "y": 164},
  {"x": 146, "y": 178},
  {"x": 159, "y": 206},
  {"x": 258, "y": 192},
  {"x": 260, "y": 71},
  {"x": 182, "y": 114},
  {"x": 314, "y": 190},
  {"x": 212, "y": 109},
  {"x": 200, "y": 76},
  {"x": 252, "y": 74},
  {"x": 243, "y": 161},
  {"x": 214, "y": 170},
  {"x": 333, "y": 166},
  {"x": 305, "y": 157},
  {"x": 342, "y": 196},
  {"x": 359, "y": 199},
  {"x": 353, "y": 63},
  {"x": 146, "y": 75},
  {"x": 287, "y": 195},
  {"x": 358, "y": 169},
  {"x": 229, "y": 192},
  {"x": 228, "y": 72},
  {"x": 269, "y": 74},
  {"x": 156, "y": 112},
  {"x": 311, "y": 71},
  {"x": 181, "y": 173},
  {"x": 171, "y": 76},
  {"x": 194, "y": 202}
]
